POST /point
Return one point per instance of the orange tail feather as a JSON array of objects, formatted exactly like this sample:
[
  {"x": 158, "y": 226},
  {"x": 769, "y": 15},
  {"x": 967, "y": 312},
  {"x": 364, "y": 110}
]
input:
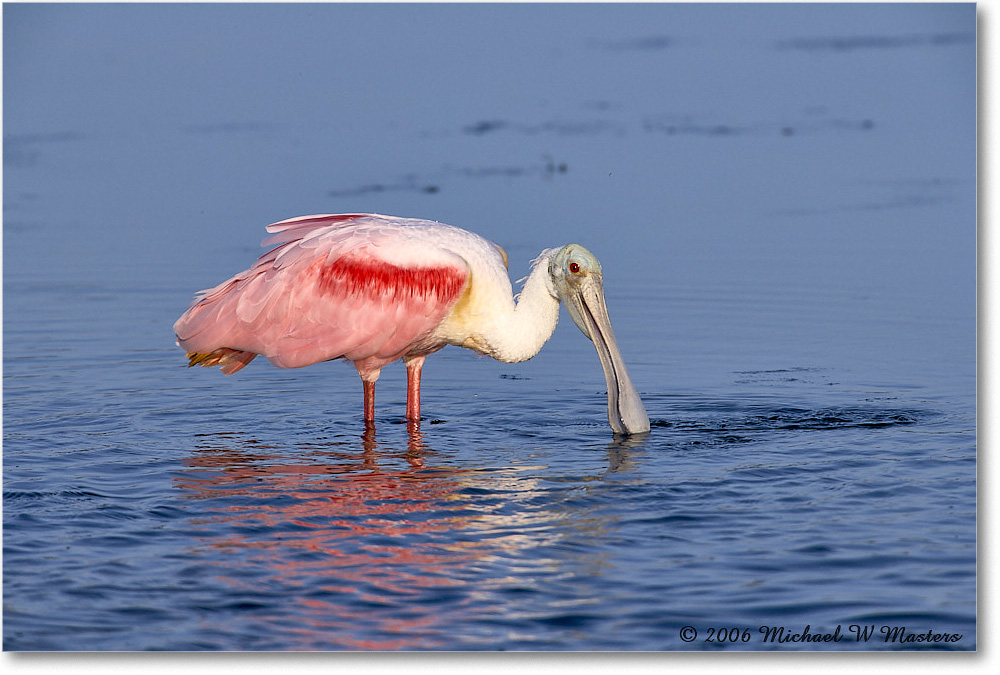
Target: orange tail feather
[{"x": 231, "y": 360}]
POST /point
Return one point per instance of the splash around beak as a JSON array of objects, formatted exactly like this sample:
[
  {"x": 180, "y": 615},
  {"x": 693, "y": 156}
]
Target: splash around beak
[{"x": 586, "y": 305}]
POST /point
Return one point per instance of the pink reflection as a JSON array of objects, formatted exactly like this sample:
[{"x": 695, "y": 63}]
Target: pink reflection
[{"x": 335, "y": 515}]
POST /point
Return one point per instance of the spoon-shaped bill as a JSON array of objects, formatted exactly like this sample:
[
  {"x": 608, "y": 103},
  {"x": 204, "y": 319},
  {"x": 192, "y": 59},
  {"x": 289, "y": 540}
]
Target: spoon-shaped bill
[{"x": 589, "y": 311}]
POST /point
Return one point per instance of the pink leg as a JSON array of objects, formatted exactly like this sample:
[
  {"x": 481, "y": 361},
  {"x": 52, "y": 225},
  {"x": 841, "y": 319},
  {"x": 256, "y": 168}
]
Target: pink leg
[
  {"x": 369, "y": 402},
  {"x": 413, "y": 368},
  {"x": 369, "y": 376}
]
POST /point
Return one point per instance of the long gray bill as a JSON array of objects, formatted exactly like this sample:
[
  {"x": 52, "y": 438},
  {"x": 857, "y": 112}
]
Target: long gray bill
[{"x": 626, "y": 413}]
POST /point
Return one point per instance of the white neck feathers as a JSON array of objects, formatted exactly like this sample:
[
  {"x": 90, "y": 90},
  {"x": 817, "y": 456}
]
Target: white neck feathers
[{"x": 519, "y": 334}]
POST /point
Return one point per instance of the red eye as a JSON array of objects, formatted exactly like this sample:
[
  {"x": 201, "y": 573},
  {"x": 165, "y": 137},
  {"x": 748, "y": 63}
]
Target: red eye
[{"x": 574, "y": 268}]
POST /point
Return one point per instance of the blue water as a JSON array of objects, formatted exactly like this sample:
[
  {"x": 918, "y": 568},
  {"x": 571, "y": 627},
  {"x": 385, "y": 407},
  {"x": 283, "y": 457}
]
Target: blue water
[{"x": 784, "y": 202}]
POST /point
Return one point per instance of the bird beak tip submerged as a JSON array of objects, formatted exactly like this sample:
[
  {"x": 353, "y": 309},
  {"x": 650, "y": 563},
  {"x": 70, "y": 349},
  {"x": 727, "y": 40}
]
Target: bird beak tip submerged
[
  {"x": 632, "y": 419},
  {"x": 626, "y": 413},
  {"x": 578, "y": 280}
]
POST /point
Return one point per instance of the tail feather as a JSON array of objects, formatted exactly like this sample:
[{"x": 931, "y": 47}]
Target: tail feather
[{"x": 231, "y": 360}]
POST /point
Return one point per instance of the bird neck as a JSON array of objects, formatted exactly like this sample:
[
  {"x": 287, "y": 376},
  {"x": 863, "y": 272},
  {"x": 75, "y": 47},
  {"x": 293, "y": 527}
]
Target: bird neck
[{"x": 521, "y": 334}]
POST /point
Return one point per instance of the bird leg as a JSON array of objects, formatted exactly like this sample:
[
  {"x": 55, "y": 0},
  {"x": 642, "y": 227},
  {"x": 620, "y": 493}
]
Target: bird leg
[
  {"x": 413, "y": 368},
  {"x": 369, "y": 402},
  {"x": 369, "y": 375}
]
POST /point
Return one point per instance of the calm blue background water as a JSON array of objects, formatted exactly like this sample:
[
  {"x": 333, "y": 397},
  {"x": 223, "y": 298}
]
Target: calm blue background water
[{"x": 784, "y": 202}]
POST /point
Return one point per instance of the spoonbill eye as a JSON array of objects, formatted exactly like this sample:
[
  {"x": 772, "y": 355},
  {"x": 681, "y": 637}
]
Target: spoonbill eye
[{"x": 574, "y": 267}]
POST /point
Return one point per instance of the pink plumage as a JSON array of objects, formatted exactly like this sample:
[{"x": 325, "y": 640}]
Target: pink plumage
[{"x": 366, "y": 288}]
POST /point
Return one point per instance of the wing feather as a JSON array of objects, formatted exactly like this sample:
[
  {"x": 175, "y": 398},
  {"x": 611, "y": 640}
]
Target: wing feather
[{"x": 353, "y": 286}]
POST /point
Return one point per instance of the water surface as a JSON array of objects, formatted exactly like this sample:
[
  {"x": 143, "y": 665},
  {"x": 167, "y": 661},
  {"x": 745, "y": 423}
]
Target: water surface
[{"x": 783, "y": 199}]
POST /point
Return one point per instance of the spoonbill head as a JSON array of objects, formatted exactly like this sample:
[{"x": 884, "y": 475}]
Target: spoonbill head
[
  {"x": 579, "y": 283},
  {"x": 374, "y": 289}
]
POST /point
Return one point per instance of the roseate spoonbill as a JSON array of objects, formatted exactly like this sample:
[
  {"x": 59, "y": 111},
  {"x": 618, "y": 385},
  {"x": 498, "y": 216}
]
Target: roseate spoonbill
[{"x": 373, "y": 289}]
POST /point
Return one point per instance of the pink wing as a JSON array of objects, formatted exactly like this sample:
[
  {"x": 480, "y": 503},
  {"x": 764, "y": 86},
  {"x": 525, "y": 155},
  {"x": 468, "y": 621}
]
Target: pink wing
[{"x": 365, "y": 288}]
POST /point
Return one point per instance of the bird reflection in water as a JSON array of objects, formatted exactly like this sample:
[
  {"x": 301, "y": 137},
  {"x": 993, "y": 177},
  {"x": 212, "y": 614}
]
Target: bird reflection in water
[
  {"x": 350, "y": 535},
  {"x": 381, "y": 545}
]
